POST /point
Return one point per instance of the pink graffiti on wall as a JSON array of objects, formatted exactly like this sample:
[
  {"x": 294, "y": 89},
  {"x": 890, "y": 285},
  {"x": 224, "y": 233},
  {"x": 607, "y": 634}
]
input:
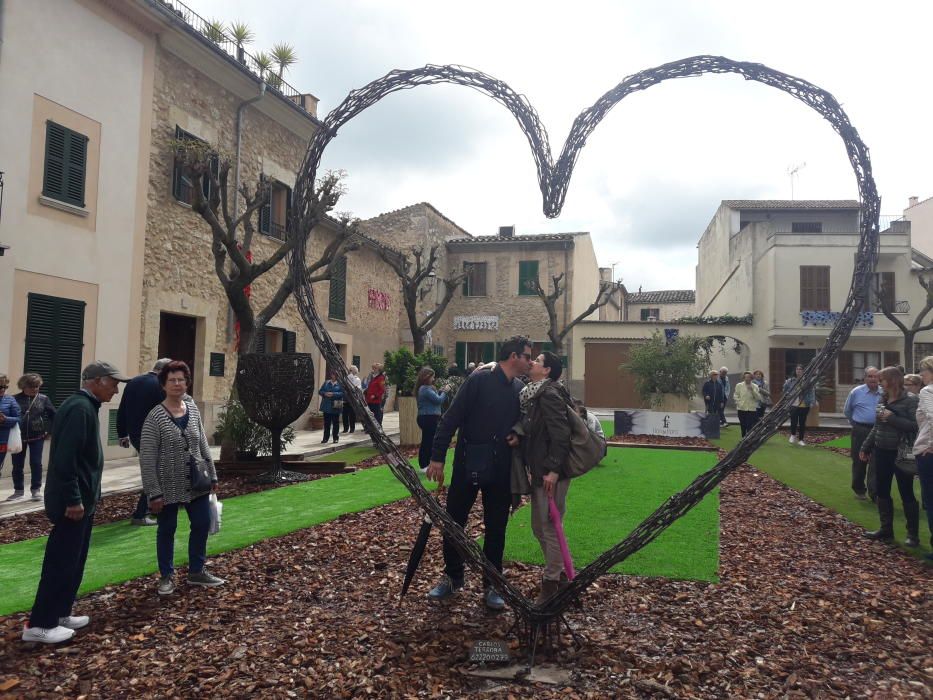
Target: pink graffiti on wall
[{"x": 378, "y": 300}]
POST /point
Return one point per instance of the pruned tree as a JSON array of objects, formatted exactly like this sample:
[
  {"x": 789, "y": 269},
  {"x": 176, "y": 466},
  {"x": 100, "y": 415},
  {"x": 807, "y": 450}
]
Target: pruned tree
[
  {"x": 888, "y": 307},
  {"x": 414, "y": 276},
  {"x": 233, "y": 233},
  {"x": 556, "y": 332}
]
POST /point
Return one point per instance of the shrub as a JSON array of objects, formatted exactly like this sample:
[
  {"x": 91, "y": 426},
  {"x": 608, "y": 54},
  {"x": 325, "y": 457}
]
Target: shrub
[
  {"x": 402, "y": 368},
  {"x": 247, "y": 436},
  {"x": 662, "y": 367}
]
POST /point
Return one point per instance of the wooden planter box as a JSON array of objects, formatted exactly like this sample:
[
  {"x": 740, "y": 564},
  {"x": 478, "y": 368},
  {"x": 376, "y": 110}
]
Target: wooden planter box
[
  {"x": 252, "y": 468},
  {"x": 409, "y": 432},
  {"x": 316, "y": 422}
]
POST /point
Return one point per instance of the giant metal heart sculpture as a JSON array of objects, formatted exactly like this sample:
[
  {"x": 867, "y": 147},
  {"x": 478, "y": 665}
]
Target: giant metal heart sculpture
[{"x": 553, "y": 179}]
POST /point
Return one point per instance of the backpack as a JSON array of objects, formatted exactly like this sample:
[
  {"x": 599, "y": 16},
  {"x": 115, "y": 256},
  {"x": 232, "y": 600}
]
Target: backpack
[{"x": 586, "y": 447}]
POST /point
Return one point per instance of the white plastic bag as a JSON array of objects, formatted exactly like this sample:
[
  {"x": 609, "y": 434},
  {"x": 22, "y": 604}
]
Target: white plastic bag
[
  {"x": 217, "y": 510},
  {"x": 14, "y": 443}
]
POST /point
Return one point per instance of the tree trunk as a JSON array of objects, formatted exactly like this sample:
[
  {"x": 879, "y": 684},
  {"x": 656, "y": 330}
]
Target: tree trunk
[
  {"x": 417, "y": 341},
  {"x": 909, "y": 351}
]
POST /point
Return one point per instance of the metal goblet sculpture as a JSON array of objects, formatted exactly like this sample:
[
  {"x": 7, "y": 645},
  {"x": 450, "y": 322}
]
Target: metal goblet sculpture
[{"x": 275, "y": 389}]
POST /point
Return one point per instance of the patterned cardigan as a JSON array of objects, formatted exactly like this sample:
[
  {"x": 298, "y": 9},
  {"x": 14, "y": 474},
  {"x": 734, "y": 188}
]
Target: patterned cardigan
[{"x": 163, "y": 456}]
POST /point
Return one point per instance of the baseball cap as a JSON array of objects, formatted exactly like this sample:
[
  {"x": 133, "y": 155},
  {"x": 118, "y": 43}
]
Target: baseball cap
[{"x": 99, "y": 368}]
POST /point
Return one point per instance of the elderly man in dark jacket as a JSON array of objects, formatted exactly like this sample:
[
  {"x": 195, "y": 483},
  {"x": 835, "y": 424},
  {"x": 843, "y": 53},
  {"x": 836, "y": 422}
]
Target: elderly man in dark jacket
[
  {"x": 484, "y": 411},
  {"x": 141, "y": 395},
  {"x": 72, "y": 490},
  {"x": 713, "y": 393}
]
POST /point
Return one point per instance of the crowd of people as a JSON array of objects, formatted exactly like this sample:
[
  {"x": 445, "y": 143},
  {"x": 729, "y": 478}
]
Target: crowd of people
[{"x": 513, "y": 439}]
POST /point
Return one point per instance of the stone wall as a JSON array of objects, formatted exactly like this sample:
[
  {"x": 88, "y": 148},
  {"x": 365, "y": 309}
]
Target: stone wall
[
  {"x": 420, "y": 225},
  {"x": 179, "y": 275}
]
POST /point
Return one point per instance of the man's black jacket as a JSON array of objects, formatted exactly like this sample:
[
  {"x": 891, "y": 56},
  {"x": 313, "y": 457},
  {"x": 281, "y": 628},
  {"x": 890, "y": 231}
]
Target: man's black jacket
[{"x": 484, "y": 411}]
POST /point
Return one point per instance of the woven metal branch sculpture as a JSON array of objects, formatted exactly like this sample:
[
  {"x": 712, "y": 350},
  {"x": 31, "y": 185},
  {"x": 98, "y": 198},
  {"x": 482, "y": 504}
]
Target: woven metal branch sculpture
[{"x": 554, "y": 179}]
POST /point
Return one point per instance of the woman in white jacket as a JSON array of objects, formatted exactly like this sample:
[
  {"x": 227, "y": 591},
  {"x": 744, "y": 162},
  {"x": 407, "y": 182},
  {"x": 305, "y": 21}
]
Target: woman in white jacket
[{"x": 923, "y": 445}]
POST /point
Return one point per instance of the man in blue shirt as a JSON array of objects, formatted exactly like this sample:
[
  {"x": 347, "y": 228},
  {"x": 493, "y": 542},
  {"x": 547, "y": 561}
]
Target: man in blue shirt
[
  {"x": 860, "y": 410},
  {"x": 482, "y": 413}
]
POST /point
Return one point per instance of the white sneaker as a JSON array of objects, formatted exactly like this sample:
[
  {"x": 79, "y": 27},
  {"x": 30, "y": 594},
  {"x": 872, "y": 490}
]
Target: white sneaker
[
  {"x": 37, "y": 494},
  {"x": 74, "y": 622},
  {"x": 801, "y": 443},
  {"x": 50, "y": 635},
  {"x": 793, "y": 439},
  {"x": 15, "y": 496}
]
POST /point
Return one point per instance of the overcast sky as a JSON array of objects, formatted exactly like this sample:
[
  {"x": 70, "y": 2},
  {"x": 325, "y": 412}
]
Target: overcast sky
[{"x": 654, "y": 172}]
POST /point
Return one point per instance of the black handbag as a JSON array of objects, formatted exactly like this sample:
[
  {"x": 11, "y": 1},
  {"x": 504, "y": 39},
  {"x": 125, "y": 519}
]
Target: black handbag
[
  {"x": 480, "y": 463},
  {"x": 906, "y": 461},
  {"x": 198, "y": 474}
]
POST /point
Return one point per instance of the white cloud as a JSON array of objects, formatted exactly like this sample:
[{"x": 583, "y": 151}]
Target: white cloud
[{"x": 654, "y": 172}]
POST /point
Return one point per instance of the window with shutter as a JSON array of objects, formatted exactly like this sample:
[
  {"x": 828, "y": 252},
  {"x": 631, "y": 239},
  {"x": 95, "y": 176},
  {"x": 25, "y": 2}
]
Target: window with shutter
[
  {"x": 337, "y": 307},
  {"x": 474, "y": 285},
  {"x": 892, "y": 358},
  {"x": 65, "y": 164},
  {"x": 55, "y": 343},
  {"x": 814, "y": 288},
  {"x": 112, "y": 437},
  {"x": 846, "y": 375},
  {"x": 527, "y": 275},
  {"x": 460, "y": 355},
  {"x": 289, "y": 340}
]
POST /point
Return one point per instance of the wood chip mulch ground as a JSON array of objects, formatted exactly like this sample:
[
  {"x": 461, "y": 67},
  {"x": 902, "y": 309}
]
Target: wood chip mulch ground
[
  {"x": 805, "y": 608},
  {"x": 114, "y": 507}
]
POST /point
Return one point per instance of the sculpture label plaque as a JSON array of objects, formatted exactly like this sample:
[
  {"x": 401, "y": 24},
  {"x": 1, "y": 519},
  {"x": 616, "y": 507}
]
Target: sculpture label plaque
[{"x": 489, "y": 651}]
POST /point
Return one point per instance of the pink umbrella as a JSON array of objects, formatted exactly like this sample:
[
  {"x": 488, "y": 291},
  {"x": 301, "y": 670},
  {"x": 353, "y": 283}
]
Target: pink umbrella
[{"x": 561, "y": 539}]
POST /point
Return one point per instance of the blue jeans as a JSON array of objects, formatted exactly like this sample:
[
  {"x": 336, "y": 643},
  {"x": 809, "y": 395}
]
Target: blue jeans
[
  {"x": 199, "y": 513},
  {"x": 925, "y": 472},
  {"x": 34, "y": 447}
]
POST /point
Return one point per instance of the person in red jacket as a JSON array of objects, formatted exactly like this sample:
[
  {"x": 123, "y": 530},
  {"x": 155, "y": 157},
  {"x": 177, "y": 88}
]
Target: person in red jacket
[{"x": 376, "y": 391}]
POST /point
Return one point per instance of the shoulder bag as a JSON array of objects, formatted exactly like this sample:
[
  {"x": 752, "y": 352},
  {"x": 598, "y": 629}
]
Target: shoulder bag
[
  {"x": 586, "y": 447},
  {"x": 199, "y": 476},
  {"x": 906, "y": 461}
]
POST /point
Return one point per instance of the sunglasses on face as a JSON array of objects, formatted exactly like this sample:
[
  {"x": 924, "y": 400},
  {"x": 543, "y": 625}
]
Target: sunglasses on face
[{"x": 526, "y": 355}]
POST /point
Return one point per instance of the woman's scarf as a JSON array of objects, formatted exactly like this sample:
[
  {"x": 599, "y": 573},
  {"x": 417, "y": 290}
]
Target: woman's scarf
[{"x": 529, "y": 392}]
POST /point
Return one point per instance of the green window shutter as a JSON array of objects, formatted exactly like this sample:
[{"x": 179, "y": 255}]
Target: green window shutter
[
  {"x": 112, "y": 437},
  {"x": 357, "y": 361},
  {"x": 260, "y": 340},
  {"x": 65, "y": 164},
  {"x": 527, "y": 272},
  {"x": 547, "y": 345},
  {"x": 289, "y": 340},
  {"x": 489, "y": 352},
  {"x": 460, "y": 355},
  {"x": 55, "y": 343},
  {"x": 338, "y": 291}
]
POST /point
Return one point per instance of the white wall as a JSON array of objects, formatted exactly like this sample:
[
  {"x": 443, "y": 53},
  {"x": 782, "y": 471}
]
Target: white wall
[{"x": 75, "y": 57}]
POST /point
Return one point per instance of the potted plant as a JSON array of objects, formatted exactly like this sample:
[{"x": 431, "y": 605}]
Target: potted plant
[
  {"x": 823, "y": 388},
  {"x": 315, "y": 420},
  {"x": 401, "y": 368},
  {"x": 249, "y": 439},
  {"x": 666, "y": 371}
]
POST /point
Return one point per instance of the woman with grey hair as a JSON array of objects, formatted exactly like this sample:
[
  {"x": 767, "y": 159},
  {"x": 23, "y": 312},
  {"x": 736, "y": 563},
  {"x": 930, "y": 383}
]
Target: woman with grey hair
[
  {"x": 177, "y": 470},
  {"x": 35, "y": 425}
]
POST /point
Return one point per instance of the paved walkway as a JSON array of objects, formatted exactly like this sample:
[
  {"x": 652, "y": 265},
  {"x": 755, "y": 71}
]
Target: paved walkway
[{"x": 123, "y": 474}]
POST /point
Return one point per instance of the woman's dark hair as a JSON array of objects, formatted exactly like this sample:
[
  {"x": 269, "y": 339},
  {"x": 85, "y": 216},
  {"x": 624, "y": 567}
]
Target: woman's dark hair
[
  {"x": 175, "y": 366},
  {"x": 553, "y": 363},
  {"x": 425, "y": 376},
  {"x": 799, "y": 367},
  {"x": 516, "y": 344}
]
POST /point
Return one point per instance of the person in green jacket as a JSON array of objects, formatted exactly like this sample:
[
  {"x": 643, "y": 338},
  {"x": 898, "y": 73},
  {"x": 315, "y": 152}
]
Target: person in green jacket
[{"x": 72, "y": 490}]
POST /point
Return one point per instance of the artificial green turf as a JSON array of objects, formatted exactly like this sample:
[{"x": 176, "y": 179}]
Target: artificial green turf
[
  {"x": 606, "y": 504},
  {"x": 845, "y": 441},
  {"x": 822, "y": 475},
  {"x": 609, "y": 427},
  {"x": 120, "y": 552}
]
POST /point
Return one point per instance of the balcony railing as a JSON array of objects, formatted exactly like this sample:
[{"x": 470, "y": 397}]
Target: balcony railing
[
  {"x": 900, "y": 307},
  {"x": 866, "y": 319},
  {"x": 277, "y": 231},
  {"x": 225, "y": 43}
]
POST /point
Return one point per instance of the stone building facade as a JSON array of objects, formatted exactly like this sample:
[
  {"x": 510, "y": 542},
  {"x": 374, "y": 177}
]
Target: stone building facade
[{"x": 198, "y": 94}]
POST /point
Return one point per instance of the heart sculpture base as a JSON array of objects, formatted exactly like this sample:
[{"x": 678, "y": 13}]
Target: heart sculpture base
[{"x": 553, "y": 181}]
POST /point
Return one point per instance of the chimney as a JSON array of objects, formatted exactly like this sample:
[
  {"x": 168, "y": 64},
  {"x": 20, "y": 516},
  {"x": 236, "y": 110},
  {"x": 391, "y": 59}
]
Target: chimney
[
  {"x": 912, "y": 201},
  {"x": 507, "y": 231}
]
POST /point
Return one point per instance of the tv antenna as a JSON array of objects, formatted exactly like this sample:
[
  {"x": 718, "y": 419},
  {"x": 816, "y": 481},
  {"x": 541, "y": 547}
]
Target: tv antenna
[{"x": 792, "y": 172}]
